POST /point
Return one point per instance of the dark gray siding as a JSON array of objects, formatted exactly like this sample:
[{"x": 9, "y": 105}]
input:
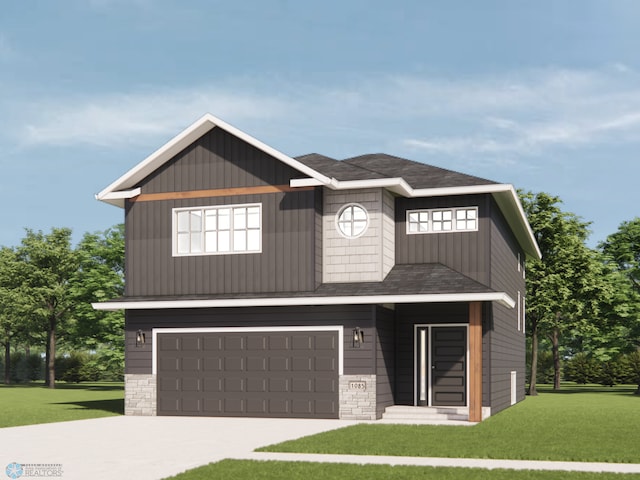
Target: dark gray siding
[
  {"x": 385, "y": 359},
  {"x": 356, "y": 360},
  {"x": 407, "y": 315},
  {"x": 290, "y": 250},
  {"x": 507, "y": 351},
  {"x": 218, "y": 160},
  {"x": 465, "y": 252}
]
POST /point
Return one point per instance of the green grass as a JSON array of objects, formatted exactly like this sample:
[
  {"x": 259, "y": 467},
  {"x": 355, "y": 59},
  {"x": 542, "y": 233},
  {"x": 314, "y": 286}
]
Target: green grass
[
  {"x": 588, "y": 424},
  {"x": 258, "y": 470},
  {"x": 34, "y": 403}
]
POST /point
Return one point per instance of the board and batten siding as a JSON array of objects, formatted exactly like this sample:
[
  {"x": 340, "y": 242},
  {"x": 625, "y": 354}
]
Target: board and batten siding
[
  {"x": 385, "y": 359},
  {"x": 507, "y": 351},
  {"x": 464, "y": 252},
  {"x": 218, "y": 160},
  {"x": 289, "y": 257},
  {"x": 356, "y": 360}
]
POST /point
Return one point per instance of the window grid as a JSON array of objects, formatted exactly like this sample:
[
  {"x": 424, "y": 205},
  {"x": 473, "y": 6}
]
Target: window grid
[
  {"x": 218, "y": 230},
  {"x": 352, "y": 220},
  {"x": 442, "y": 220}
]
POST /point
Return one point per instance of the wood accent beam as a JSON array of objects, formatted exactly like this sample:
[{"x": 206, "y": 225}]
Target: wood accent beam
[
  {"x": 218, "y": 192},
  {"x": 475, "y": 361}
]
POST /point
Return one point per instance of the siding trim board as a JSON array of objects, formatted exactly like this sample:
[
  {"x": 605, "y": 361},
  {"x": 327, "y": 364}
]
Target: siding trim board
[
  {"x": 500, "y": 297},
  {"x": 218, "y": 192},
  {"x": 324, "y": 328}
]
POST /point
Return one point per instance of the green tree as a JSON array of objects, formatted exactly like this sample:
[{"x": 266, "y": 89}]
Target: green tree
[
  {"x": 49, "y": 265},
  {"x": 622, "y": 252},
  {"x": 9, "y": 303},
  {"x": 100, "y": 277},
  {"x": 562, "y": 286}
]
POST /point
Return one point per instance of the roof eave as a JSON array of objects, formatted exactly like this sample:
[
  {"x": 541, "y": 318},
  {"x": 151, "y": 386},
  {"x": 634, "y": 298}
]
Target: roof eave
[
  {"x": 500, "y": 297},
  {"x": 183, "y": 140}
]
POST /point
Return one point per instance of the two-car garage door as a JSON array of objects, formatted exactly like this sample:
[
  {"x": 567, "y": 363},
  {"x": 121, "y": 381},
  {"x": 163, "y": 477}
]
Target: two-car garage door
[{"x": 248, "y": 373}]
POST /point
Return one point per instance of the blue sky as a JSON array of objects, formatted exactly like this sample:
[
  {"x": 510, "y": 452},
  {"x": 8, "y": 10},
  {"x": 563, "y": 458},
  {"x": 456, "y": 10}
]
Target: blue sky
[{"x": 544, "y": 95}]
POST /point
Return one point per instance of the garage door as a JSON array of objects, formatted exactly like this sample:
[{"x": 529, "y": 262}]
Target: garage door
[{"x": 248, "y": 374}]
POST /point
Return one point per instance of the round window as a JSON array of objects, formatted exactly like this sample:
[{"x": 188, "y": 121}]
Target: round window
[{"x": 352, "y": 220}]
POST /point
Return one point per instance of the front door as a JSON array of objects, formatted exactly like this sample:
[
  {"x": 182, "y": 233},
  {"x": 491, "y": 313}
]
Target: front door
[{"x": 441, "y": 365}]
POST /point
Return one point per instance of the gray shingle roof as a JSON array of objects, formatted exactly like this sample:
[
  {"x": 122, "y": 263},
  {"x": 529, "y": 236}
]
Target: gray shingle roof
[
  {"x": 410, "y": 279},
  {"x": 380, "y": 165}
]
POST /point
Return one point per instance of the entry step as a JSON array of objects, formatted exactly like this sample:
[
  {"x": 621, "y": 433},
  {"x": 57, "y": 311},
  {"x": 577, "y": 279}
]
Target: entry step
[{"x": 427, "y": 414}]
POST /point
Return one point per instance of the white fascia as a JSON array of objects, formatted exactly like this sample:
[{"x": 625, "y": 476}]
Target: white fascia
[
  {"x": 183, "y": 140},
  {"x": 500, "y": 297},
  {"x": 504, "y": 194},
  {"x": 118, "y": 198}
]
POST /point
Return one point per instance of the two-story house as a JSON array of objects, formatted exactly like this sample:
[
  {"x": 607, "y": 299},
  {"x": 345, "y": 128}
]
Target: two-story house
[{"x": 258, "y": 284}]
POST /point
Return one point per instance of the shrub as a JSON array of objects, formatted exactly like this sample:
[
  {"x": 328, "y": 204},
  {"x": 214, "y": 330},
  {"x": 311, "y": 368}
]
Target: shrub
[
  {"x": 582, "y": 369},
  {"x": 545, "y": 367}
]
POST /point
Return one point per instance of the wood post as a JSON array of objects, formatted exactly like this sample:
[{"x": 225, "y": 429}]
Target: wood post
[{"x": 475, "y": 361}]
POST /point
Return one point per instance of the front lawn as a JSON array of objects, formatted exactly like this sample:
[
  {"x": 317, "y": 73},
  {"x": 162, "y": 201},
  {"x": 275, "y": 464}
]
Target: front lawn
[
  {"x": 34, "y": 403},
  {"x": 579, "y": 423},
  {"x": 257, "y": 470}
]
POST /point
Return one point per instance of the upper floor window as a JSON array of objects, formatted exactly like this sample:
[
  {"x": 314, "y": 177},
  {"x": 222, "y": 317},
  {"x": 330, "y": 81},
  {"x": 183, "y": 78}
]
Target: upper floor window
[
  {"x": 352, "y": 220},
  {"x": 217, "y": 230},
  {"x": 442, "y": 220}
]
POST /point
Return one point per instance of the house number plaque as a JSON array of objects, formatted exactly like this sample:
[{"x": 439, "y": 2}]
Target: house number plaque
[{"x": 357, "y": 386}]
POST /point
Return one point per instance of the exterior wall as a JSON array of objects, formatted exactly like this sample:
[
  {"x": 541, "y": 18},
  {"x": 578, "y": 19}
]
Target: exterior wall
[
  {"x": 388, "y": 232},
  {"x": 361, "y": 259},
  {"x": 140, "y": 394},
  {"x": 464, "y": 252},
  {"x": 289, "y": 257},
  {"x": 357, "y": 403},
  {"x": 507, "y": 339},
  {"x": 385, "y": 359}
]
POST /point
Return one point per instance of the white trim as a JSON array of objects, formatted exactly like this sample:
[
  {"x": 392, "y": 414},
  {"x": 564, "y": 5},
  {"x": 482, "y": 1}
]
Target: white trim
[
  {"x": 174, "y": 146},
  {"x": 429, "y": 326},
  {"x": 321, "y": 328},
  {"x": 121, "y": 195},
  {"x": 339, "y": 214},
  {"x": 501, "y": 297}
]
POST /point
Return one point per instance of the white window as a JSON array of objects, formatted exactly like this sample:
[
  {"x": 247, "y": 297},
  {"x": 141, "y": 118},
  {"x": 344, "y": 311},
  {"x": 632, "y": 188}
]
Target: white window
[
  {"x": 352, "y": 220},
  {"x": 442, "y": 220},
  {"x": 217, "y": 230},
  {"x": 417, "y": 221}
]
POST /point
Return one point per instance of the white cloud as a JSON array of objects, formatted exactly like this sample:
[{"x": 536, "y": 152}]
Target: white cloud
[
  {"x": 118, "y": 120},
  {"x": 521, "y": 113}
]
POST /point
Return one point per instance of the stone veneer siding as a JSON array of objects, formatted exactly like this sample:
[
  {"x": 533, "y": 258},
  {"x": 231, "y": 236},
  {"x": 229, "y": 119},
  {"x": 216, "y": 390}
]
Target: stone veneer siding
[
  {"x": 368, "y": 258},
  {"x": 139, "y": 394},
  {"x": 357, "y": 404}
]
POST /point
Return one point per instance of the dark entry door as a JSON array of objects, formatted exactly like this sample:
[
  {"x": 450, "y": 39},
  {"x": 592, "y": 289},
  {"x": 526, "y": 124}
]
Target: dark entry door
[{"x": 441, "y": 366}]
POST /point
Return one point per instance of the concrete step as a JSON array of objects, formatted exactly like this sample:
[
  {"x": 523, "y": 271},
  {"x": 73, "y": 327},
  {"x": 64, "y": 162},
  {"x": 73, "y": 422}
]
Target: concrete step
[{"x": 436, "y": 414}]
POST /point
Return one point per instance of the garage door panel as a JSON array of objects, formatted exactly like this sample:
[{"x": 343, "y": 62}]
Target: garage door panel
[
  {"x": 189, "y": 364},
  {"x": 325, "y": 385},
  {"x": 325, "y": 364},
  {"x": 301, "y": 364},
  {"x": 169, "y": 364},
  {"x": 190, "y": 343},
  {"x": 302, "y": 385},
  {"x": 213, "y": 385},
  {"x": 256, "y": 364},
  {"x": 169, "y": 384},
  {"x": 234, "y": 364},
  {"x": 256, "y": 342},
  {"x": 301, "y": 342},
  {"x": 213, "y": 343},
  {"x": 279, "y": 364},
  {"x": 213, "y": 364},
  {"x": 233, "y": 342},
  {"x": 256, "y": 385},
  {"x": 281, "y": 374},
  {"x": 234, "y": 384}
]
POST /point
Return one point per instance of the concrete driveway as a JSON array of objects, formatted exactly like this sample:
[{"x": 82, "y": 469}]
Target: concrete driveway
[{"x": 144, "y": 448}]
